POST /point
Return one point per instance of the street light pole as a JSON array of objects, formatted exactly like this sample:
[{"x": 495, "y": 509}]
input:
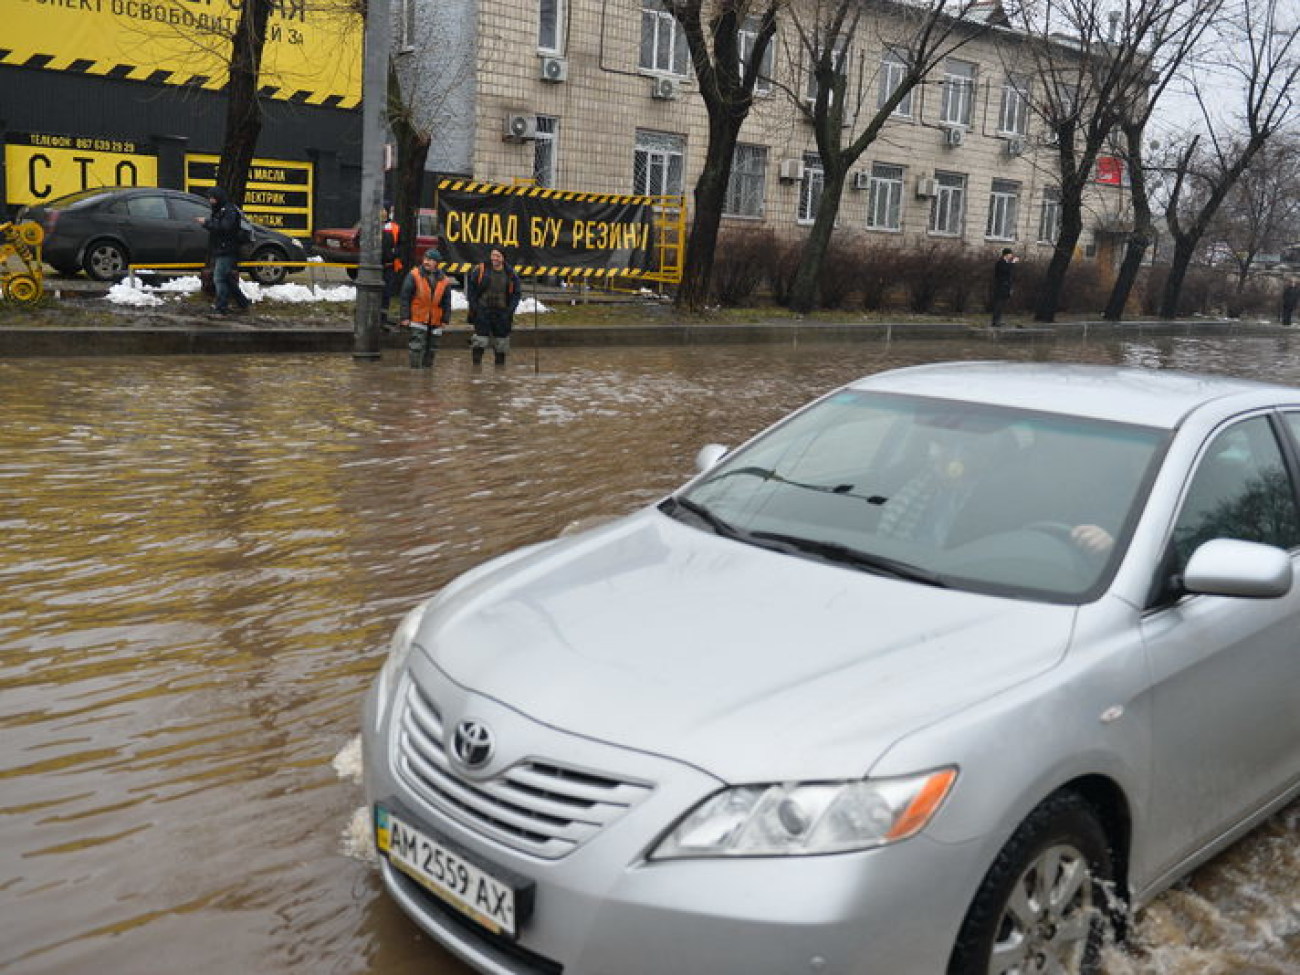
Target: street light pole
[{"x": 374, "y": 96}]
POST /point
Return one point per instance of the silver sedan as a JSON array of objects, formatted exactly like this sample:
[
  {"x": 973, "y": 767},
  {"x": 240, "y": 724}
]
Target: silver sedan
[{"x": 949, "y": 670}]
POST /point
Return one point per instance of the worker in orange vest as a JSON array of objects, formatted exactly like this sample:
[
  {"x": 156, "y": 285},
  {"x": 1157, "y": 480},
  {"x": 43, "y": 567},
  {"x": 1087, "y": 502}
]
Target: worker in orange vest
[{"x": 426, "y": 308}]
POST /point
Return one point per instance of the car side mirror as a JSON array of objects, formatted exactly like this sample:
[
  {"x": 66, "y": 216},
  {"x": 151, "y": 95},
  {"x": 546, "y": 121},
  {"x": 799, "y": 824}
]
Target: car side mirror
[
  {"x": 1230, "y": 567},
  {"x": 708, "y": 456}
]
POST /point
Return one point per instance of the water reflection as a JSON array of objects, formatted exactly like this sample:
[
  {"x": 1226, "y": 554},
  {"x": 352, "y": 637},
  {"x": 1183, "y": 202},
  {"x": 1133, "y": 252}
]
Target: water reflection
[{"x": 204, "y": 559}]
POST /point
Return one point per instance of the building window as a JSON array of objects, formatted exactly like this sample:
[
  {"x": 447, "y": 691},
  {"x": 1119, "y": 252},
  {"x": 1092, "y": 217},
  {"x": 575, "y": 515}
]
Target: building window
[
  {"x": 892, "y": 71},
  {"x": 958, "y": 92},
  {"x": 1049, "y": 219},
  {"x": 948, "y": 210},
  {"x": 839, "y": 60},
  {"x": 1013, "y": 118},
  {"x": 746, "y": 186},
  {"x": 659, "y": 164},
  {"x": 745, "y": 38},
  {"x": 1004, "y": 204},
  {"x": 810, "y": 187},
  {"x": 663, "y": 42},
  {"x": 405, "y": 26},
  {"x": 544, "y": 150},
  {"x": 550, "y": 18},
  {"x": 885, "y": 206}
]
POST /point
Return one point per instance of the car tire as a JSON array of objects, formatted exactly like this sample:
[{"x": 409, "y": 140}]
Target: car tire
[
  {"x": 268, "y": 275},
  {"x": 1046, "y": 903},
  {"x": 105, "y": 260},
  {"x": 351, "y": 273}
]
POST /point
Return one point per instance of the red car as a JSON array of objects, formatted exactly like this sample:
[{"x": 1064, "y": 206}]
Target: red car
[{"x": 342, "y": 245}]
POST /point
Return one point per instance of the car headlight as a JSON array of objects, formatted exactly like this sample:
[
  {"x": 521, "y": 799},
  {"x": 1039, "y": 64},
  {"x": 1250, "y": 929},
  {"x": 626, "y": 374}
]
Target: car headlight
[
  {"x": 399, "y": 648},
  {"x": 795, "y": 819}
]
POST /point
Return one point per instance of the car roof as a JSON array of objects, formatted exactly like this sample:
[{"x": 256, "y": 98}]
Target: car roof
[{"x": 1149, "y": 397}]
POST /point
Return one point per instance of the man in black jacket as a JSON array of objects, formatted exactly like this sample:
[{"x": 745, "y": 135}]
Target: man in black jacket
[
  {"x": 1001, "y": 285},
  {"x": 225, "y": 233}
]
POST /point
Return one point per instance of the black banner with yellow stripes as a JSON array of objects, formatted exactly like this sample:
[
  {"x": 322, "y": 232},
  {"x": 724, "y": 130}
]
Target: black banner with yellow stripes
[{"x": 546, "y": 231}]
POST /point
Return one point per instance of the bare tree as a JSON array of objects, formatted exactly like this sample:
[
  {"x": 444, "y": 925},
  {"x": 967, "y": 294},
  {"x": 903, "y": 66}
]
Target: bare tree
[
  {"x": 1165, "y": 37},
  {"x": 243, "y": 103},
  {"x": 1261, "y": 211},
  {"x": 1259, "y": 67},
  {"x": 728, "y": 65},
  {"x": 848, "y": 113}
]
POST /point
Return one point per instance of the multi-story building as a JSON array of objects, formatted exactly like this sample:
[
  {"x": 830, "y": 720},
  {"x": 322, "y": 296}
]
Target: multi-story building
[{"x": 598, "y": 96}]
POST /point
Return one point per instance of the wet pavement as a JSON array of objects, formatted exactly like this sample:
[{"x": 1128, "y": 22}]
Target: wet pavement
[{"x": 204, "y": 559}]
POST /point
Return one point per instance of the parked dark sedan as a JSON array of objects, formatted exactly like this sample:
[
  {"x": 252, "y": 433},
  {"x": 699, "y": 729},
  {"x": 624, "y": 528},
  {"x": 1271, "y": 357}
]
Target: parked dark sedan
[{"x": 103, "y": 231}]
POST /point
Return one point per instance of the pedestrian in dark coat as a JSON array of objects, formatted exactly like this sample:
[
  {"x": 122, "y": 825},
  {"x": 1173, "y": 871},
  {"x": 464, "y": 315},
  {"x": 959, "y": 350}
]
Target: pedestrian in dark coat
[
  {"x": 225, "y": 235},
  {"x": 1002, "y": 272},
  {"x": 1290, "y": 298},
  {"x": 493, "y": 291}
]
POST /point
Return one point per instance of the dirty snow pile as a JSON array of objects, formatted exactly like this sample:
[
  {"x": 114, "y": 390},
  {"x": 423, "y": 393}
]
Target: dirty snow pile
[{"x": 135, "y": 292}]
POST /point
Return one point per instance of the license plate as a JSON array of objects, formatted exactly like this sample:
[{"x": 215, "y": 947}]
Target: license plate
[{"x": 448, "y": 874}]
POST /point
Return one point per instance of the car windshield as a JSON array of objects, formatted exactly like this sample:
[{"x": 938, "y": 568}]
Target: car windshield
[{"x": 956, "y": 494}]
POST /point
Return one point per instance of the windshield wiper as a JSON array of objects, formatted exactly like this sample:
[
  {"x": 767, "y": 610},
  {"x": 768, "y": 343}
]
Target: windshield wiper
[
  {"x": 847, "y": 555},
  {"x": 767, "y": 474},
  {"x": 719, "y": 525}
]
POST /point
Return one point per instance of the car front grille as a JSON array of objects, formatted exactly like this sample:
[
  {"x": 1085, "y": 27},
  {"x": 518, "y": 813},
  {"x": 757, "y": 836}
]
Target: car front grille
[{"x": 536, "y": 806}]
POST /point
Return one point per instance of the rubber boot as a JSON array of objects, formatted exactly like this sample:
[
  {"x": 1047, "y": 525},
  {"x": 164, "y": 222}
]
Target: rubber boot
[
  {"x": 476, "y": 355},
  {"x": 499, "y": 358}
]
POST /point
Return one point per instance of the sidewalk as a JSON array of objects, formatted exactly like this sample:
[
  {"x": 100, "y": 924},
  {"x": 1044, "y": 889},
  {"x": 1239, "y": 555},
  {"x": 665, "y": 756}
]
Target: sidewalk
[{"x": 77, "y": 321}]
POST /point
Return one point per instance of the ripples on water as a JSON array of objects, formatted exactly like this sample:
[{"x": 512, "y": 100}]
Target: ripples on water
[{"x": 204, "y": 558}]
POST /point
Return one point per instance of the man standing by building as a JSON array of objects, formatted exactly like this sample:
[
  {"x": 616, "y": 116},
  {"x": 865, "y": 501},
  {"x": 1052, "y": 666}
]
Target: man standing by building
[
  {"x": 1290, "y": 298},
  {"x": 493, "y": 290},
  {"x": 426, "y": 308},
  {"x": 225, "y": 233},
  {"x": 1002, "y": 271}
]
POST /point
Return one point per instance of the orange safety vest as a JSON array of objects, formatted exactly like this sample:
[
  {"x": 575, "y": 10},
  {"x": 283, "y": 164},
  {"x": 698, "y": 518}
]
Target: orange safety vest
[{"x": 426, "y": 303}]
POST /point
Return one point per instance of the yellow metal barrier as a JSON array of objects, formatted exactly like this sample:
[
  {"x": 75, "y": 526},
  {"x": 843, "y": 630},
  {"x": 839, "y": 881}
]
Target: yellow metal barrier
[{"x": 21, "y": 244}]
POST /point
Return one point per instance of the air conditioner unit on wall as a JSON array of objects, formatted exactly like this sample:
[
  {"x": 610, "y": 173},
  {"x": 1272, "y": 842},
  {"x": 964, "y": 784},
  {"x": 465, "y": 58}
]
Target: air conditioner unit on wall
[
  {"x": 791, "y": 170},
  {"x": 665, "y": 89},
  {"x": 861, "y": 180},
  {"x": 519, "y": 128},
  {"x": 925, "y": 186},
  {"x": 1015, "y": 147},
  {"x": 554, "y": 69},
  {"x": 954, "y": 136}
]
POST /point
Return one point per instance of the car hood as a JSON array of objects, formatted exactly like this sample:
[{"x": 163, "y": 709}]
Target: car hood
[{"x": 747, "y": 663}]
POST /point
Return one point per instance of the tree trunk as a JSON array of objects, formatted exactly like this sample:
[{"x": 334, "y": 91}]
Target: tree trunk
[
  {"x": 1184, "y": 248},
  {"x": 243, "y": 104},
  {"x": 1134, "y": 253},
  {"x": 412, "y": 151},
  {"x": 710, "y": 196},
  {"x": 803, "y": 290},
  {"x": 1049, "y": 299}
]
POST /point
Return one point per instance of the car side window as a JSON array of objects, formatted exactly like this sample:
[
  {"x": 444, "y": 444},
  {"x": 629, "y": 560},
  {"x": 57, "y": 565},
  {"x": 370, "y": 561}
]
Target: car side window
[
  {"x": 188, "y": 209},
  {"x": 149, "y": 207},
  {"x": 1240, "y": 489}
]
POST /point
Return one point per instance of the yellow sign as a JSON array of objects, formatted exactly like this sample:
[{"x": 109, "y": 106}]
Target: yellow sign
[
  {"x": 278, "y": 193},
  {"x": 312, "y": 54},
  {"x": 42, "y": 167}
]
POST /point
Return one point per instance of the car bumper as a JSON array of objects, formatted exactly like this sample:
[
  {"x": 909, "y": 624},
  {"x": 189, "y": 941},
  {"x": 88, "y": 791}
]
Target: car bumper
[
  {"x": 604, "y": 910},
  {"x": 331, "y": 256}
]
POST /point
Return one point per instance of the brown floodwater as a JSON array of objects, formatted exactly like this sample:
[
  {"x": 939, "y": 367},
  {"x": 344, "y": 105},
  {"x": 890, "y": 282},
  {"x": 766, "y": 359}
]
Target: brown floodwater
[{"x": 203, "y": 559}]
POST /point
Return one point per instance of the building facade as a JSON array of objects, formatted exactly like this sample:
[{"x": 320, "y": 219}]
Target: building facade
[{"x": 598, "y": 96}]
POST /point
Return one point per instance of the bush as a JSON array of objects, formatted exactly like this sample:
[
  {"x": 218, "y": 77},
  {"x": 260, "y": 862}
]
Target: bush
[
  {"x": 840, "y": 271},
  {"x": 782, "y": 267},
  {"x": 743, "y": 261}
]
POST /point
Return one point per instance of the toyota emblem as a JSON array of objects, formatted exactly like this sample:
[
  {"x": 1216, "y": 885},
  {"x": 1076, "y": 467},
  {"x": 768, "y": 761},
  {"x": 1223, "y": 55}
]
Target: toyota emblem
[{"x": 472, "y": 743}]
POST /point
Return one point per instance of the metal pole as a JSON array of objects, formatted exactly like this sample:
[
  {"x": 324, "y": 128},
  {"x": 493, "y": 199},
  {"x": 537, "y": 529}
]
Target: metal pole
[{"x": 374, "y": 96}]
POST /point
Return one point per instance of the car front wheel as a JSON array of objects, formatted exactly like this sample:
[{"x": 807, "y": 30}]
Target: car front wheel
[
  {"x": 266, "y": 274},
  {"x": 105, "y": 260},
  {"x": 1045, "y": 904}
]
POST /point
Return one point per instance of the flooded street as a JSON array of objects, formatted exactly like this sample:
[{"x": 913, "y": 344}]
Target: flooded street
[{"x": 204, "y": 559}]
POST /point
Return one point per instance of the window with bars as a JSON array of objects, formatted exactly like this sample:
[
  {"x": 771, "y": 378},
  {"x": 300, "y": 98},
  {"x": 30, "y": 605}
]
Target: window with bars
[
  {"x": 745, "y": 38},
  {"x": 663, "y": 42},
  {"x": 659, "y": 163},
  {"x": 811, "y": 187},
  {"x": 1013, "y": 117},
  {"x": 948, "y": 209},
  {"x": 544, "y": 149},
  {"x": 550, "y": 20},
  {"x": 958, "y": 92},
  {"x": 746, "y": 186},
  {"x": 893, "y": 68},
  {"x": 1049, "y": 217},
  {"x": 1004, "y": 203},
  {"x": 885, "y": 201}
]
